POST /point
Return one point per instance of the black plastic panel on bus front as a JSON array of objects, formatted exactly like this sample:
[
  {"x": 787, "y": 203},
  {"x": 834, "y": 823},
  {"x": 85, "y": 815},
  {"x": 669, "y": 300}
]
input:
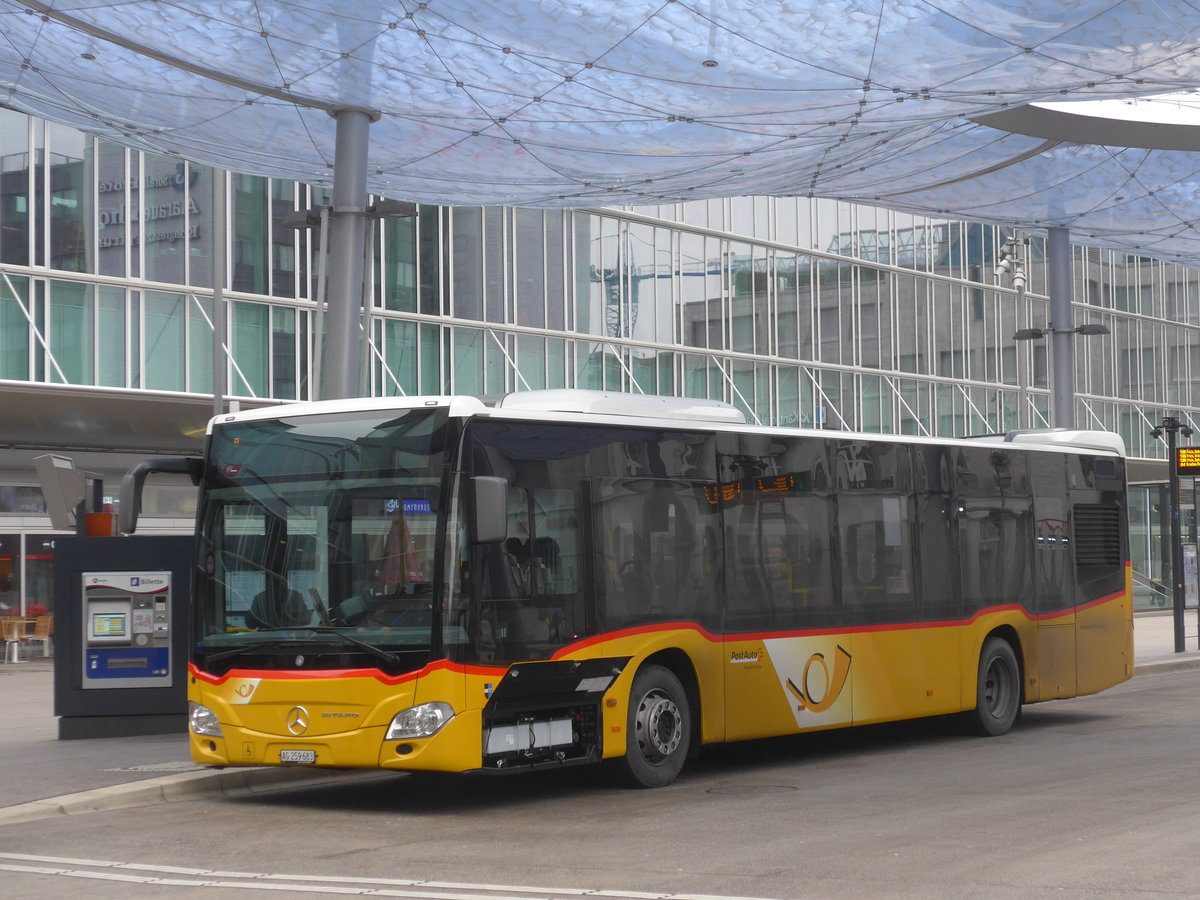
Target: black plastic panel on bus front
[{"x": 548, "y": 690}]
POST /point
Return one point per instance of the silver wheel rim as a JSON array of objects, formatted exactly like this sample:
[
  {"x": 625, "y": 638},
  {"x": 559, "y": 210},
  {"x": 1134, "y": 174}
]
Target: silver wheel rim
[
  {"x": 997, "y": 688},
  {"x": 659, "y": 726}
]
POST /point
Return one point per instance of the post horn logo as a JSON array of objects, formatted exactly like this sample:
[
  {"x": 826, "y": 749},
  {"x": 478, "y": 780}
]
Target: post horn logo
[
  {"x": 833, "y": 686},
  {"x": 297, "y": 720}
]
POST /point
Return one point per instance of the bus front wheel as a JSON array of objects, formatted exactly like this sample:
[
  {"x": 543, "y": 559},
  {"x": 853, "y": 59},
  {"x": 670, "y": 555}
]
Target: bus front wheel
[
  {"x": 658, "y": 730},
  {"x": 998, "y": 689}
]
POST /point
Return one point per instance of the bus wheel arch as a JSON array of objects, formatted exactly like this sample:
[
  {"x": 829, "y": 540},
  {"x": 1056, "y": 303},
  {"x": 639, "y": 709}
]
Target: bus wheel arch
[
  {"x": 662, "y": 724},
  {"x": 999, "y": 686}
]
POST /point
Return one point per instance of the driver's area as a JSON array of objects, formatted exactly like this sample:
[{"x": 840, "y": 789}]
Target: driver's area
[{"x": 381, "y": 563}]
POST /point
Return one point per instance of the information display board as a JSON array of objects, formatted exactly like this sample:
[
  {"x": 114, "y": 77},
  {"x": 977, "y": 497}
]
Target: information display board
[{"x": 1187, "y": 460}]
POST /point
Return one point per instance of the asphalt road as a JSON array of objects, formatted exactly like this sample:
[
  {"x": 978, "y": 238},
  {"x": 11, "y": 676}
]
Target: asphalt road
[{"x": 1089, "y": 798}]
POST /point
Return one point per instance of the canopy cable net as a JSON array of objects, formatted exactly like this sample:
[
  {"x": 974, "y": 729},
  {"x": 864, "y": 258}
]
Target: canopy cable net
[{"x": 571, "y": 103}]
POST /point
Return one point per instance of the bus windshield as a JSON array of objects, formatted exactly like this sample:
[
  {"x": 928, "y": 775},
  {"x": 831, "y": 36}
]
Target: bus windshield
[{"x": 318, "y": 540}]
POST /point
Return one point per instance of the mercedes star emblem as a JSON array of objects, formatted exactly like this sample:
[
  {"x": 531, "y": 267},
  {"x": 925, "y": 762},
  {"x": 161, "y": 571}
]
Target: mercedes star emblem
[{"x": 297, "y": 720}]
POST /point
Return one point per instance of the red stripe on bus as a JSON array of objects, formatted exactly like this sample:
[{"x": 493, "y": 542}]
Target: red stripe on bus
[
  {"x": 844, "y": 629},
  {"x": 310, "y": 674}
]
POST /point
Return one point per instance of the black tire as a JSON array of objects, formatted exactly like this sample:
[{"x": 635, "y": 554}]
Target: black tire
[
  {"x": 998, "y": 689},
  {"x": 658, "y": 730}
]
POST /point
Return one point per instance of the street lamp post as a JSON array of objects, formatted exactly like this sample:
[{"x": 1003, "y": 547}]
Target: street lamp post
[
  {"x": 1172, "y": 427},
  {"x": 1062, "y": 347},
  {"x": 1012, "y": 263},
  {"x": 1062, "y": 350}
]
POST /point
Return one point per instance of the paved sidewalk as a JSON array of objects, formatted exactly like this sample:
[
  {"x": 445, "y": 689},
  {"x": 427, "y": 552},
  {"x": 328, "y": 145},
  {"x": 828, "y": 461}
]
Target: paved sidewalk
[
  {"x": 1154, "y": 642},
  {"x": 46, "y": 777}
]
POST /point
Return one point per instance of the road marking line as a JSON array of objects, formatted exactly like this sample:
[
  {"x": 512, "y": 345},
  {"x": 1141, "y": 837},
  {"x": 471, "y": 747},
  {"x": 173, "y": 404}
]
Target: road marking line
[{"x": 109, "y": 870}]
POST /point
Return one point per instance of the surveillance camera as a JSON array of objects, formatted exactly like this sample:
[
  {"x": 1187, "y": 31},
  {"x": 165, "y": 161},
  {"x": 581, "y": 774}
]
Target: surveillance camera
[
  {"x": 1186, "y": 432},
  {"x": 1003, "y": 266},
  {"x": 1156, "y": 433}
]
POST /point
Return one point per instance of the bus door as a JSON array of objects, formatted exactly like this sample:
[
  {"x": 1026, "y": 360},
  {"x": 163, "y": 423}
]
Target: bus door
[
  {"x": 778, "y": 587},
  {"x": 1054, "y": 578},
  {"x": 788, "y": 652},
  {"x": 531, "y": 604}
]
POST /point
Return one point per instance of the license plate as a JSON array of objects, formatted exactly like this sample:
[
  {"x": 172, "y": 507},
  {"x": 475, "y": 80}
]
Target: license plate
[{"x": 298, "y": 757}]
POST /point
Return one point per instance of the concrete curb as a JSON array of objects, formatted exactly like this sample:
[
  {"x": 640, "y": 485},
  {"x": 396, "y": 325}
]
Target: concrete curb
[
  {"x": 178, "y": 788},
  {"x": 1182, "y": 663}
]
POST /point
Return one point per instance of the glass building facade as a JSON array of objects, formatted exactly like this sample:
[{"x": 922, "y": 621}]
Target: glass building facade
[{"x": 800, "y": 311}]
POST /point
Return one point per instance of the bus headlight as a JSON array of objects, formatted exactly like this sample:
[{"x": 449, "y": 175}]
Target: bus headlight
[
  {"x": 421, "y": 721},
  {"x": 203, "y": 720}
]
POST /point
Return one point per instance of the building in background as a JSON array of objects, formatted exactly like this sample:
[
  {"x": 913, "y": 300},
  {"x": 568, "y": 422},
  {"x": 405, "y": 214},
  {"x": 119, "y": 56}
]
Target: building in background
[{"x": 800, "y": 311}]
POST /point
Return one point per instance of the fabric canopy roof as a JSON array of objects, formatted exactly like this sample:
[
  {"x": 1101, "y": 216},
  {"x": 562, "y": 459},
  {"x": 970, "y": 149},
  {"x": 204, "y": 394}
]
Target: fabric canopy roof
[{"x": 581, "y": 102}]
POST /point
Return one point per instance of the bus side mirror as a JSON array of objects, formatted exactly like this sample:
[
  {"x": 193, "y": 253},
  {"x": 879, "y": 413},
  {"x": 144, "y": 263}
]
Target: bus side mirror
[
  {"x": 135, "y": 478},
  {"x": 489, "y": 513}
]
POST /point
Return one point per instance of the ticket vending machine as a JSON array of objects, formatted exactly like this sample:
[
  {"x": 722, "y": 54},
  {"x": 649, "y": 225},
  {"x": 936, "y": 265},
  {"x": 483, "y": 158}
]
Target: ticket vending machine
[
  {"x": 121, "y": 625},
  {"x": 127, "y": 629}
]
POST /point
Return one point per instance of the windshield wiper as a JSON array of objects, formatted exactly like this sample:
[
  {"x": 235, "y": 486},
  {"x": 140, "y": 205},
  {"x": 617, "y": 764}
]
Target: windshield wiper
[
  {"x": 248, "y": 648},
  {"x": 384, "y": 656},
  {"x": 379, "y": 653}
]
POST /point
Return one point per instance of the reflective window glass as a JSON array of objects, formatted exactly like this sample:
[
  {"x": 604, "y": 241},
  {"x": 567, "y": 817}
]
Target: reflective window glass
[
  {"x": 248, "y": 248},
  {"x": 14, "y": 328},
  {"x": 14, "y": 188},
  {"x": 163, "y": 204},
  {"x": 69, "y": 198},
  {"x": 284, "y": 240},
  {"x": 200, "y": 342},
  {"x": 112, "y": 208},
  {"x": 112, "y": 350},
  {"x": 72, "y": 331},
  {"x": 251, "y": 348},
  {"x": 165, "y": 349},
  {"x": 529, "y": 263},
  {"x": 283, "y": 353}
]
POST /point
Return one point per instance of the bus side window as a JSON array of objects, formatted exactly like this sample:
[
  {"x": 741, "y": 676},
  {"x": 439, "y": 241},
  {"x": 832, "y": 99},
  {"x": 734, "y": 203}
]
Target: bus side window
[
  {"x": 876, "y": 554},
  {"x": 862, "y": 568},
  {"x": 809, "y": 585},
  {"x": 651, "y": 551}
]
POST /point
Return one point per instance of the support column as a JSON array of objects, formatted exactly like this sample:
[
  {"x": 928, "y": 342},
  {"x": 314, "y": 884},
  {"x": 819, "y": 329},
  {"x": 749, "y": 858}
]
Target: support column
[
  {"x": 220, "y": 365},
  {"x": 1062, "y": 329},
  {"x": 341, "y": 366},
  {"x": 1171, "y": 426}
]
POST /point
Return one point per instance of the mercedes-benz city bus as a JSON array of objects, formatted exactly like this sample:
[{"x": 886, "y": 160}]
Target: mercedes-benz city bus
[{"x": 554, "y": 578}]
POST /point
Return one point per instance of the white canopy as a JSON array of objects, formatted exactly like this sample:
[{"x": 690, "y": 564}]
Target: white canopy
[{"x": 582, "y": 102}]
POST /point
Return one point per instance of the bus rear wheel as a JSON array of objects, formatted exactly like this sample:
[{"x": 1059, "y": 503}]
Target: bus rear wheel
[
  {"x": 998, "y": 689},
  {"x": 658, "y": 730}
]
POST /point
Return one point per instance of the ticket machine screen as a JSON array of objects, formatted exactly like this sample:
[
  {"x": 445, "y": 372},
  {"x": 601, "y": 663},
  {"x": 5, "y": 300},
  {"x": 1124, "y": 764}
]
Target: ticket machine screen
[{"x": 109, "y": 625}]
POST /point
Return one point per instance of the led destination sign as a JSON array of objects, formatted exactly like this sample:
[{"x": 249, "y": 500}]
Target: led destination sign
[
  {"x": 1187, "y": 460},
  {"x": 772, "y": 484}
]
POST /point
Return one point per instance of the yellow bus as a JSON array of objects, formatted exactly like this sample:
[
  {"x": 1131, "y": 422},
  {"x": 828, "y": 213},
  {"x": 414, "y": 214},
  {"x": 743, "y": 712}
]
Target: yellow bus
[{"x": 556, "y": 578}]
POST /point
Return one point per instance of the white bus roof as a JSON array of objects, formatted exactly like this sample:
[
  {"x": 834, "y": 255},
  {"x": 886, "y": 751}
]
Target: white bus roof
[
  {"x": 1068, "y": 437},
  {"x": 606, "y": 407}
]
